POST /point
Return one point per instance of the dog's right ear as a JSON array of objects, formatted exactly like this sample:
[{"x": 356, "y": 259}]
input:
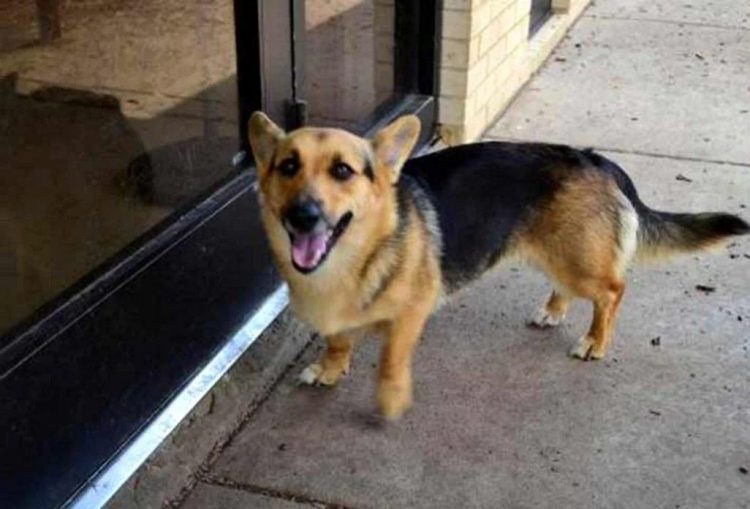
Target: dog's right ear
[{"x": 264, "y": 137}]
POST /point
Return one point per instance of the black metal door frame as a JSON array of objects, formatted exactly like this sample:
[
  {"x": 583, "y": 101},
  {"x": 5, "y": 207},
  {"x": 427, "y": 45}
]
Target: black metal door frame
[
  {"x": 540, "y": 11},
  {"x": 85, "y": 375},
  {"x": 417, "y": 25}
]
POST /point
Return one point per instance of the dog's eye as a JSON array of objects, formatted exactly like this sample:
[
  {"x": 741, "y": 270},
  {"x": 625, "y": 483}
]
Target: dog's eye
[
  {"x": 341, "y": 171},
  {"x": 288, "y": 167}
]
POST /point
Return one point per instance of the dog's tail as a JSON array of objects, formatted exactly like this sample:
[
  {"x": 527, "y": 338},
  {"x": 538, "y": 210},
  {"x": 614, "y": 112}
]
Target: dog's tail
[{"x": 665, "y": 234}]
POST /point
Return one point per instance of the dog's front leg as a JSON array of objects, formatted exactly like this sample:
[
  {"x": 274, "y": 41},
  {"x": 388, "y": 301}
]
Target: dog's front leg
[
  {"x": 333, "y": 364},
  {"x": 394, "y": 376}
]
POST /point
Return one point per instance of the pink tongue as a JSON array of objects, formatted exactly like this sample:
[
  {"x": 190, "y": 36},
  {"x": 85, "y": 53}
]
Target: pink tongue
[{"x": 308, "y": 249}]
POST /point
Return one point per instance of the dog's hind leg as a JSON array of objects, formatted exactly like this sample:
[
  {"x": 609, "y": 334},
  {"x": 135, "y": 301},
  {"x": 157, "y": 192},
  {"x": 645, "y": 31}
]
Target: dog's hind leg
[
  {"x": 333, "y": 364},
  {"x": 552, "y": 313},
  {"x": 606, "y": 296},
  {"x": 584, "y": 240}
]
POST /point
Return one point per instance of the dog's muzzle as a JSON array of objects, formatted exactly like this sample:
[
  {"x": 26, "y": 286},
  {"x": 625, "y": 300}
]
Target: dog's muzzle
[{"x": 310, "y": 234}]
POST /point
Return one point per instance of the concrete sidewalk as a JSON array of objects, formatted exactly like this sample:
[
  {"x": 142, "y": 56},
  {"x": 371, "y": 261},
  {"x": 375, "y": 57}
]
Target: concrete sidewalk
[{"x": 502, "y": 417}]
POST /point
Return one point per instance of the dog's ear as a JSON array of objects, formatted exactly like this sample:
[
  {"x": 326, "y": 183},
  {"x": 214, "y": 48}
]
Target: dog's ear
[
  {"x": 264, "y": 137},
  {"x": 393, "y": 144}
]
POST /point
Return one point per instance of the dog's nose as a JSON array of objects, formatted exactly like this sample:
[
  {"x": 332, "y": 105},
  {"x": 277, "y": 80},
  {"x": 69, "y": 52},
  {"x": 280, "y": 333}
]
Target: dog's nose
[{"x": 304, "y": 216}]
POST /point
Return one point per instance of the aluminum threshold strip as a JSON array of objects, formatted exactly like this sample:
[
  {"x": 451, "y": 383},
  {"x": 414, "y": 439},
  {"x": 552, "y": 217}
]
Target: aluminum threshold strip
[{"x": 106, "y": 483}]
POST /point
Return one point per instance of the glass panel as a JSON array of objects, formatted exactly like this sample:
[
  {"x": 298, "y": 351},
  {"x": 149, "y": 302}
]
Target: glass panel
[
  {"x": 113, "y": 113},
  {"x": 347, "y": 56}
]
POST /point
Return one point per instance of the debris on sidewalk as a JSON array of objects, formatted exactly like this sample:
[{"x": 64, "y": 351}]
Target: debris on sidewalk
[{"x": 705, "y": 289}]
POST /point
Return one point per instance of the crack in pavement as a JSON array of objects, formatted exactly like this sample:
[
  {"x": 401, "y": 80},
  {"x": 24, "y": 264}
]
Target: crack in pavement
[
  {"x": 202, "y": 470},
  {"x": 271, "y": 492}
]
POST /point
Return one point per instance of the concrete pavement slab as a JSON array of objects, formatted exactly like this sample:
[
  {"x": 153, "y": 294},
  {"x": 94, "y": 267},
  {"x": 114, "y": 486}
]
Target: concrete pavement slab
[
  {"x": 504, "y": 419},
  {"x": 641, "y": 86},
  {"x": 727, "y": 13},
  {"x": 206, "y": 496}
]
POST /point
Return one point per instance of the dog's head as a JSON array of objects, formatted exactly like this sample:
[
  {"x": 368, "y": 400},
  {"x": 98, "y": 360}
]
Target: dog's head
[{"x": 318, "y": 184}]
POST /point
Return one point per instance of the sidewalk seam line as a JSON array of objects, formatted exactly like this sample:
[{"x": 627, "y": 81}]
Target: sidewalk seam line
[
  {"x": 225, "y": 482},
  {"x": 666, "y": 21},
  {"x": 224, "y": 442},
  {"x": 658, "y": 155}
]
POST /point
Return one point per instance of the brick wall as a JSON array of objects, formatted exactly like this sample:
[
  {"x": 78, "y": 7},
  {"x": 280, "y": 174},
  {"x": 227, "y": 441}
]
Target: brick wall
[{"x": 486, "y": 56}]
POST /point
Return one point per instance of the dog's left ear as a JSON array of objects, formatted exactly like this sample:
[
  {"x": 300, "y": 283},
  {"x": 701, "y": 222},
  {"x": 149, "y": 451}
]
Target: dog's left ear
[
  {"x": 264, "y": 137},
  {"x": 393, "y": 144}
]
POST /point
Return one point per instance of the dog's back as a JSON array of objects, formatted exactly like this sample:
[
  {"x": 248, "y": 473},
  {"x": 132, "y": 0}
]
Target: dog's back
[
  {"x": 485, "y": 195},
  {"x": 495, "y": 199}
]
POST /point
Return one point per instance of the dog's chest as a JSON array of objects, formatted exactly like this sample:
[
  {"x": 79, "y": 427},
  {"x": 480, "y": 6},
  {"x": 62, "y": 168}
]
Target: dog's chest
[{"x": 327, "y": 312}]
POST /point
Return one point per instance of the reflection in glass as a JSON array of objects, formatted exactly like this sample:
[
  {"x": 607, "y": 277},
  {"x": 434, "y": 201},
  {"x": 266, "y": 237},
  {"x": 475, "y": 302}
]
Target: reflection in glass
[
  {"x": 112, "y": 113},
  {"x": 348, "y": 59}
]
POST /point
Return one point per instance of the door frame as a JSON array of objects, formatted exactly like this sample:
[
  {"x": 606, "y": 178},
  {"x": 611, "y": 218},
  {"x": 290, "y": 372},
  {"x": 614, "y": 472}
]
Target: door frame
[{"x": 540, "y": 11}]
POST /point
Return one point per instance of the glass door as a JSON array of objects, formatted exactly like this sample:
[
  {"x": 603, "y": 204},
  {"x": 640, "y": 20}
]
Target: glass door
[
  {"x": 130, "y": 247},
  {"x": 114, "y": 116},
  {"x": 357, "y": 61},
  {"x": 346, "y": 58}
]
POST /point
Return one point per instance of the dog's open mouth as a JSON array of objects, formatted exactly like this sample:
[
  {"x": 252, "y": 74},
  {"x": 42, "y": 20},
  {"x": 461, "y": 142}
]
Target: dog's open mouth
[{"x": 309, "y": 250}]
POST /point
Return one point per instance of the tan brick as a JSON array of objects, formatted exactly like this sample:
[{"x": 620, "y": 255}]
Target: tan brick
[
  {"x": 456, "y": 24},
  {"x": 476, "y": 74},
  {"x": 451, "y": 134},
  {"x": 518, "y": 34},
  {"x": 515, "y": 57},
  {"x": 385, "y": 19},
  {"x": 460, "y": 5},
  {"x": 451, "y": 111},
  {"x": 487, "y": 40},
  {"x": 476, "y": 125},
  {"x": 483, "y": 94},
  {"x": 454, "y": 54},
  {"x": 498, "y": 53},
  {"x": 384, "y": 81},
  {"x": 474, "y": 50},
  {"x": 480, "y": 17},
  {"x": 506, "y": 19},
  {"x": 499, "y": 6},
  {"x": 384, "y": 48},
  {"x": 499, "y": 100},
  {"x": 453, "y": 82},
  {"x": 523, "y": 8}
]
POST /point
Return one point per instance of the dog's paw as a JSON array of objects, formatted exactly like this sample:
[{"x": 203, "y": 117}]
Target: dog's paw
[
  {"x": 543, "y": 319},
  {"x": 585, "y": 349},
  {"x": 393, "y": 400},
  {"x": 315, "y": 374}
]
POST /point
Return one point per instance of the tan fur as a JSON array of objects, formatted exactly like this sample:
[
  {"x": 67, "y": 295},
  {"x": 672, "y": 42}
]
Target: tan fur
[
  {"x": 343, "y": 298},
  {"x": 582, "y": 262},
  {"x": 658, "y": 254}
]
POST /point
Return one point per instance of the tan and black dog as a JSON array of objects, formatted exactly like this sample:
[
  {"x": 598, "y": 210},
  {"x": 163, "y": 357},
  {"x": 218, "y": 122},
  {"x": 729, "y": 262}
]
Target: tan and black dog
[{"x": 369, "y": 242}]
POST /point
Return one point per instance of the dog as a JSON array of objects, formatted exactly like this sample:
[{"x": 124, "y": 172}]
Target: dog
[{"x": 371, "y": 241}]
